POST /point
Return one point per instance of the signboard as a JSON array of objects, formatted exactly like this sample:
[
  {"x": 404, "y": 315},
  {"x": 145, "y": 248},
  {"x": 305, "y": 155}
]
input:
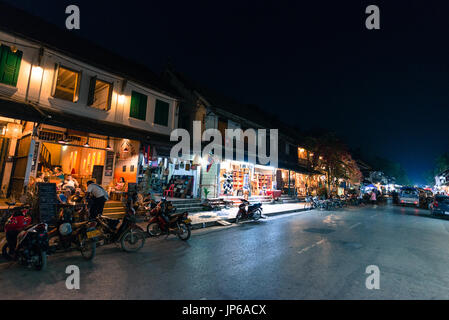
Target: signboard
[
  {"x": 47, "y": 202},
  {"x": 132, "y": 188},
  {"x": 109, "y": 164}
]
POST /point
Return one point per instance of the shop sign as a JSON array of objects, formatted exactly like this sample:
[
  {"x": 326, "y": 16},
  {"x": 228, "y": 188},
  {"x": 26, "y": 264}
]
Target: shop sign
[
  {"x": 109, "y": 164},
  {"x": 47, "y": 202}
]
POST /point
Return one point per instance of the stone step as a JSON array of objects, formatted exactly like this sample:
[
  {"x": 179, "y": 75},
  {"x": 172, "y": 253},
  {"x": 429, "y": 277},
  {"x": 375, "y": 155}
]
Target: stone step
[
  {"x": 114, "y": 210},
  {"x": 190, "y": 209},
  {"x": 114, "y": 204},
  {"x": 187, "y": 205}
]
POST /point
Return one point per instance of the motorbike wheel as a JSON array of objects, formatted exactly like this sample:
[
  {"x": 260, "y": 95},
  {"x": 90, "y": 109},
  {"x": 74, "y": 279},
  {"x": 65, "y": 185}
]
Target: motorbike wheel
[
  {"x": 238, "y": 217},
  {"x": 153, "y": 229},
  {"x": 256, "y": 215},
  {"x": 133, "y": 240},
  {"x": 41, "y": 264},
  {"x": 88, "y": 248},
  {"x": 183, "y": 231}
]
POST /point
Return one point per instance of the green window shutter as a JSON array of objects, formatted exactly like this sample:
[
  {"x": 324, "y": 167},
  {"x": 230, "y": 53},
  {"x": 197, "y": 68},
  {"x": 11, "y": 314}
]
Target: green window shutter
[
  {"x": 138, "y": 108},
  {"x": 9, "y": 65},
  {"x": 161, "y": 113}
]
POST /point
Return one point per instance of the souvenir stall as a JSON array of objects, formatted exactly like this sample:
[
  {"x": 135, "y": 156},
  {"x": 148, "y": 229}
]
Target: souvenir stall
[
  {"x": 245, "y": 179},
  {"x": 167, "y": 177}
]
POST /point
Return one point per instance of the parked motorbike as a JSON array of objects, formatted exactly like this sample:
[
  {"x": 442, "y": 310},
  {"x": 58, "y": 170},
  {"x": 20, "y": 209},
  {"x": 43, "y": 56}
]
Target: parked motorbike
[
  {"x": 68, "y": 234},
  {"x": 130, "y": 236},
  {"x": 10, "y": 211},
  {"x": 28, "y": 246},
  {"x": 178, "y": 223},
  {"x": 253, "y": 212}
]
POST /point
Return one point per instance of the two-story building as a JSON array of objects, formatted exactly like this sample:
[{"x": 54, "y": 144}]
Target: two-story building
[
  {"x": 291, "y": 174},
  {"x": 70, "y": 107}
]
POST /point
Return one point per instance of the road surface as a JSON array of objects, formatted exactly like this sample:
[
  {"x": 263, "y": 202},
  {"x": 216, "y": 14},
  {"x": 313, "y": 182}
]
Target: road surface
[{"x": 307, "y": 255}]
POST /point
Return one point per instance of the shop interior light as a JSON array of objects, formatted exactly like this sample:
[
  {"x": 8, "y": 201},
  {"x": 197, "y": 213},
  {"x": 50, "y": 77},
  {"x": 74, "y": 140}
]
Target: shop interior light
[
  {"x": 86, "y": 145},
  {"x": 13, "y": 130},
  {"x": 14, "y": 49}
]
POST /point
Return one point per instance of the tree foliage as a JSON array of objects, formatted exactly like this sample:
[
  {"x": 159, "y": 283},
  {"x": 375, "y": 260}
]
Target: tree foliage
[
  {"x": 441, "y": 164},
  {"x": 331, "y": 156}
]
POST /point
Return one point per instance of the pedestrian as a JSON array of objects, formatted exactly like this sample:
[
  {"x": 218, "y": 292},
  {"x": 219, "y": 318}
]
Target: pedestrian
[
  {"x": 98, "y": 197},
  {"x": 373, "y": 197}
]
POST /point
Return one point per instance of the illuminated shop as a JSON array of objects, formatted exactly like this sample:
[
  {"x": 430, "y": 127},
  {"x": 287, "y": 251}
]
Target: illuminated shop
[
  {"x": 246, "y": 179},
  {"x": 161, "y": 175}
]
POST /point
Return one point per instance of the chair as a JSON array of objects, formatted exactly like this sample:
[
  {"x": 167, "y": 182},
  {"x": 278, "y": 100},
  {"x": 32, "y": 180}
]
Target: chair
[{"x": 169, "y": 191}]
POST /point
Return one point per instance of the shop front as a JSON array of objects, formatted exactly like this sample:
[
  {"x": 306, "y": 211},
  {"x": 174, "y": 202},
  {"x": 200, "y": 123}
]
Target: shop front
[
  {"x": 298, "y": 184},
  {"x": 163, "y": 176},
  {"x": 245, "y": 179}
]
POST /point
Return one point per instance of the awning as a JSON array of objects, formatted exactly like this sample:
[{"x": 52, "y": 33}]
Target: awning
[{"x": 31, "y": 112}]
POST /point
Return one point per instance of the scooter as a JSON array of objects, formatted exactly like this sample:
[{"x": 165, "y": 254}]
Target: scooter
[
  {"x": 68, "y": 234},
  {"x": 178, "y": 223},
  {"x": 128, "y": 234},
  {"x": 30, "y": 245},
  {"x": 253, "y": 212}
]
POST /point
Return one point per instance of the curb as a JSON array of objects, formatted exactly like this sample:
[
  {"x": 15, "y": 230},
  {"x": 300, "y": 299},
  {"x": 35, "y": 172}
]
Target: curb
[{"x": 215, "y": 223}]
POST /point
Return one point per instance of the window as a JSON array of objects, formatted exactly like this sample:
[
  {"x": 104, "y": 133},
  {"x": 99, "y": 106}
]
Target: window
[
  {"x": 302, "y": 153},
  {"x": 9, "y": 65},
  {"x": 287, "y": 148},
  {"x": 138, "y": 107},
  {"x": 100, "y": 93},
  {"x": 161, "y": 113},
  {"x": 67, "y": 84}
]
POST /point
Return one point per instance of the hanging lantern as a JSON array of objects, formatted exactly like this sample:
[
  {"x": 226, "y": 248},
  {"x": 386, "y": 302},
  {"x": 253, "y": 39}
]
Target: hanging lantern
[{"x": 13, "y": 130}]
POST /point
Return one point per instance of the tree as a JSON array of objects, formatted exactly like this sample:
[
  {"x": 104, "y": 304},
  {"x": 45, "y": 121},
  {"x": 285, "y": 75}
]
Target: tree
[
  {"x": 441, "y": 164},
  {"x": 391, "y": 169},
  {"x": 331, "y": 156}
]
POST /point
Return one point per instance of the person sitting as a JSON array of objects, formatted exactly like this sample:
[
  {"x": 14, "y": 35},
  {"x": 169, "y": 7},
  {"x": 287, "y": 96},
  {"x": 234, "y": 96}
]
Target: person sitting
[
  {"x": 70, "y": 184},
  {"x": 120, "y": 185},
  {"x": 59, "y": 174},
  {"x": 64, "y": 197}
]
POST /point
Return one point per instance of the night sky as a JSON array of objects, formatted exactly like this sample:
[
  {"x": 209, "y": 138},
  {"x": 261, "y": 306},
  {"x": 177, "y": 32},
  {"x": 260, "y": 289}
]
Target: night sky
[{"x": 315, "y": 65}]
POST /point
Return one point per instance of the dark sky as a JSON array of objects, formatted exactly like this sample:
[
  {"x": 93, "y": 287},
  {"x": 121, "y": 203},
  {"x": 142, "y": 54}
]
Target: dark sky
[{"x": 313, "y": 63}]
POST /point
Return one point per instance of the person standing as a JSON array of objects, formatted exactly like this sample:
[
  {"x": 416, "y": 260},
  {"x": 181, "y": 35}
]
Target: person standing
[
  {"x": 373, "y": 197},
  {"x": 98, "y": 197}
]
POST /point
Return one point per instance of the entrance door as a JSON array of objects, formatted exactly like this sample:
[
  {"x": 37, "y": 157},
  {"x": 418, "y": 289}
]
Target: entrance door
[{"x": 19, "y": 168}]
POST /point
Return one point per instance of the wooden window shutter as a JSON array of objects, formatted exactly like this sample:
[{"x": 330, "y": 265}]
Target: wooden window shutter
[
  {"x": 138, "y": 108},
  {"x": 9, "y": 65},
  {"x": 161, "y": 113},
  {"x": 55, "y": 79},
  {"x": 111, "y": 88},
  {"x": 78, "y": 86},
  {"x": 91, "y": 95}
]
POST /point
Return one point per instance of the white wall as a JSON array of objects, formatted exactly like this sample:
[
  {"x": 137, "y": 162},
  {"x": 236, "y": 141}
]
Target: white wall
[{"x": 41, "y": 83}]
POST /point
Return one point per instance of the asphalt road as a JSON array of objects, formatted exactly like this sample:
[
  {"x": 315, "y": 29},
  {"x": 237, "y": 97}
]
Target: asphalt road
[{"x": 307, "y": 255}]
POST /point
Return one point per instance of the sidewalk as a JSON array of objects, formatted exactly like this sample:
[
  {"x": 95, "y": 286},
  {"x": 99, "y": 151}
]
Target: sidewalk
[{"x": 226, "y": 216}]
